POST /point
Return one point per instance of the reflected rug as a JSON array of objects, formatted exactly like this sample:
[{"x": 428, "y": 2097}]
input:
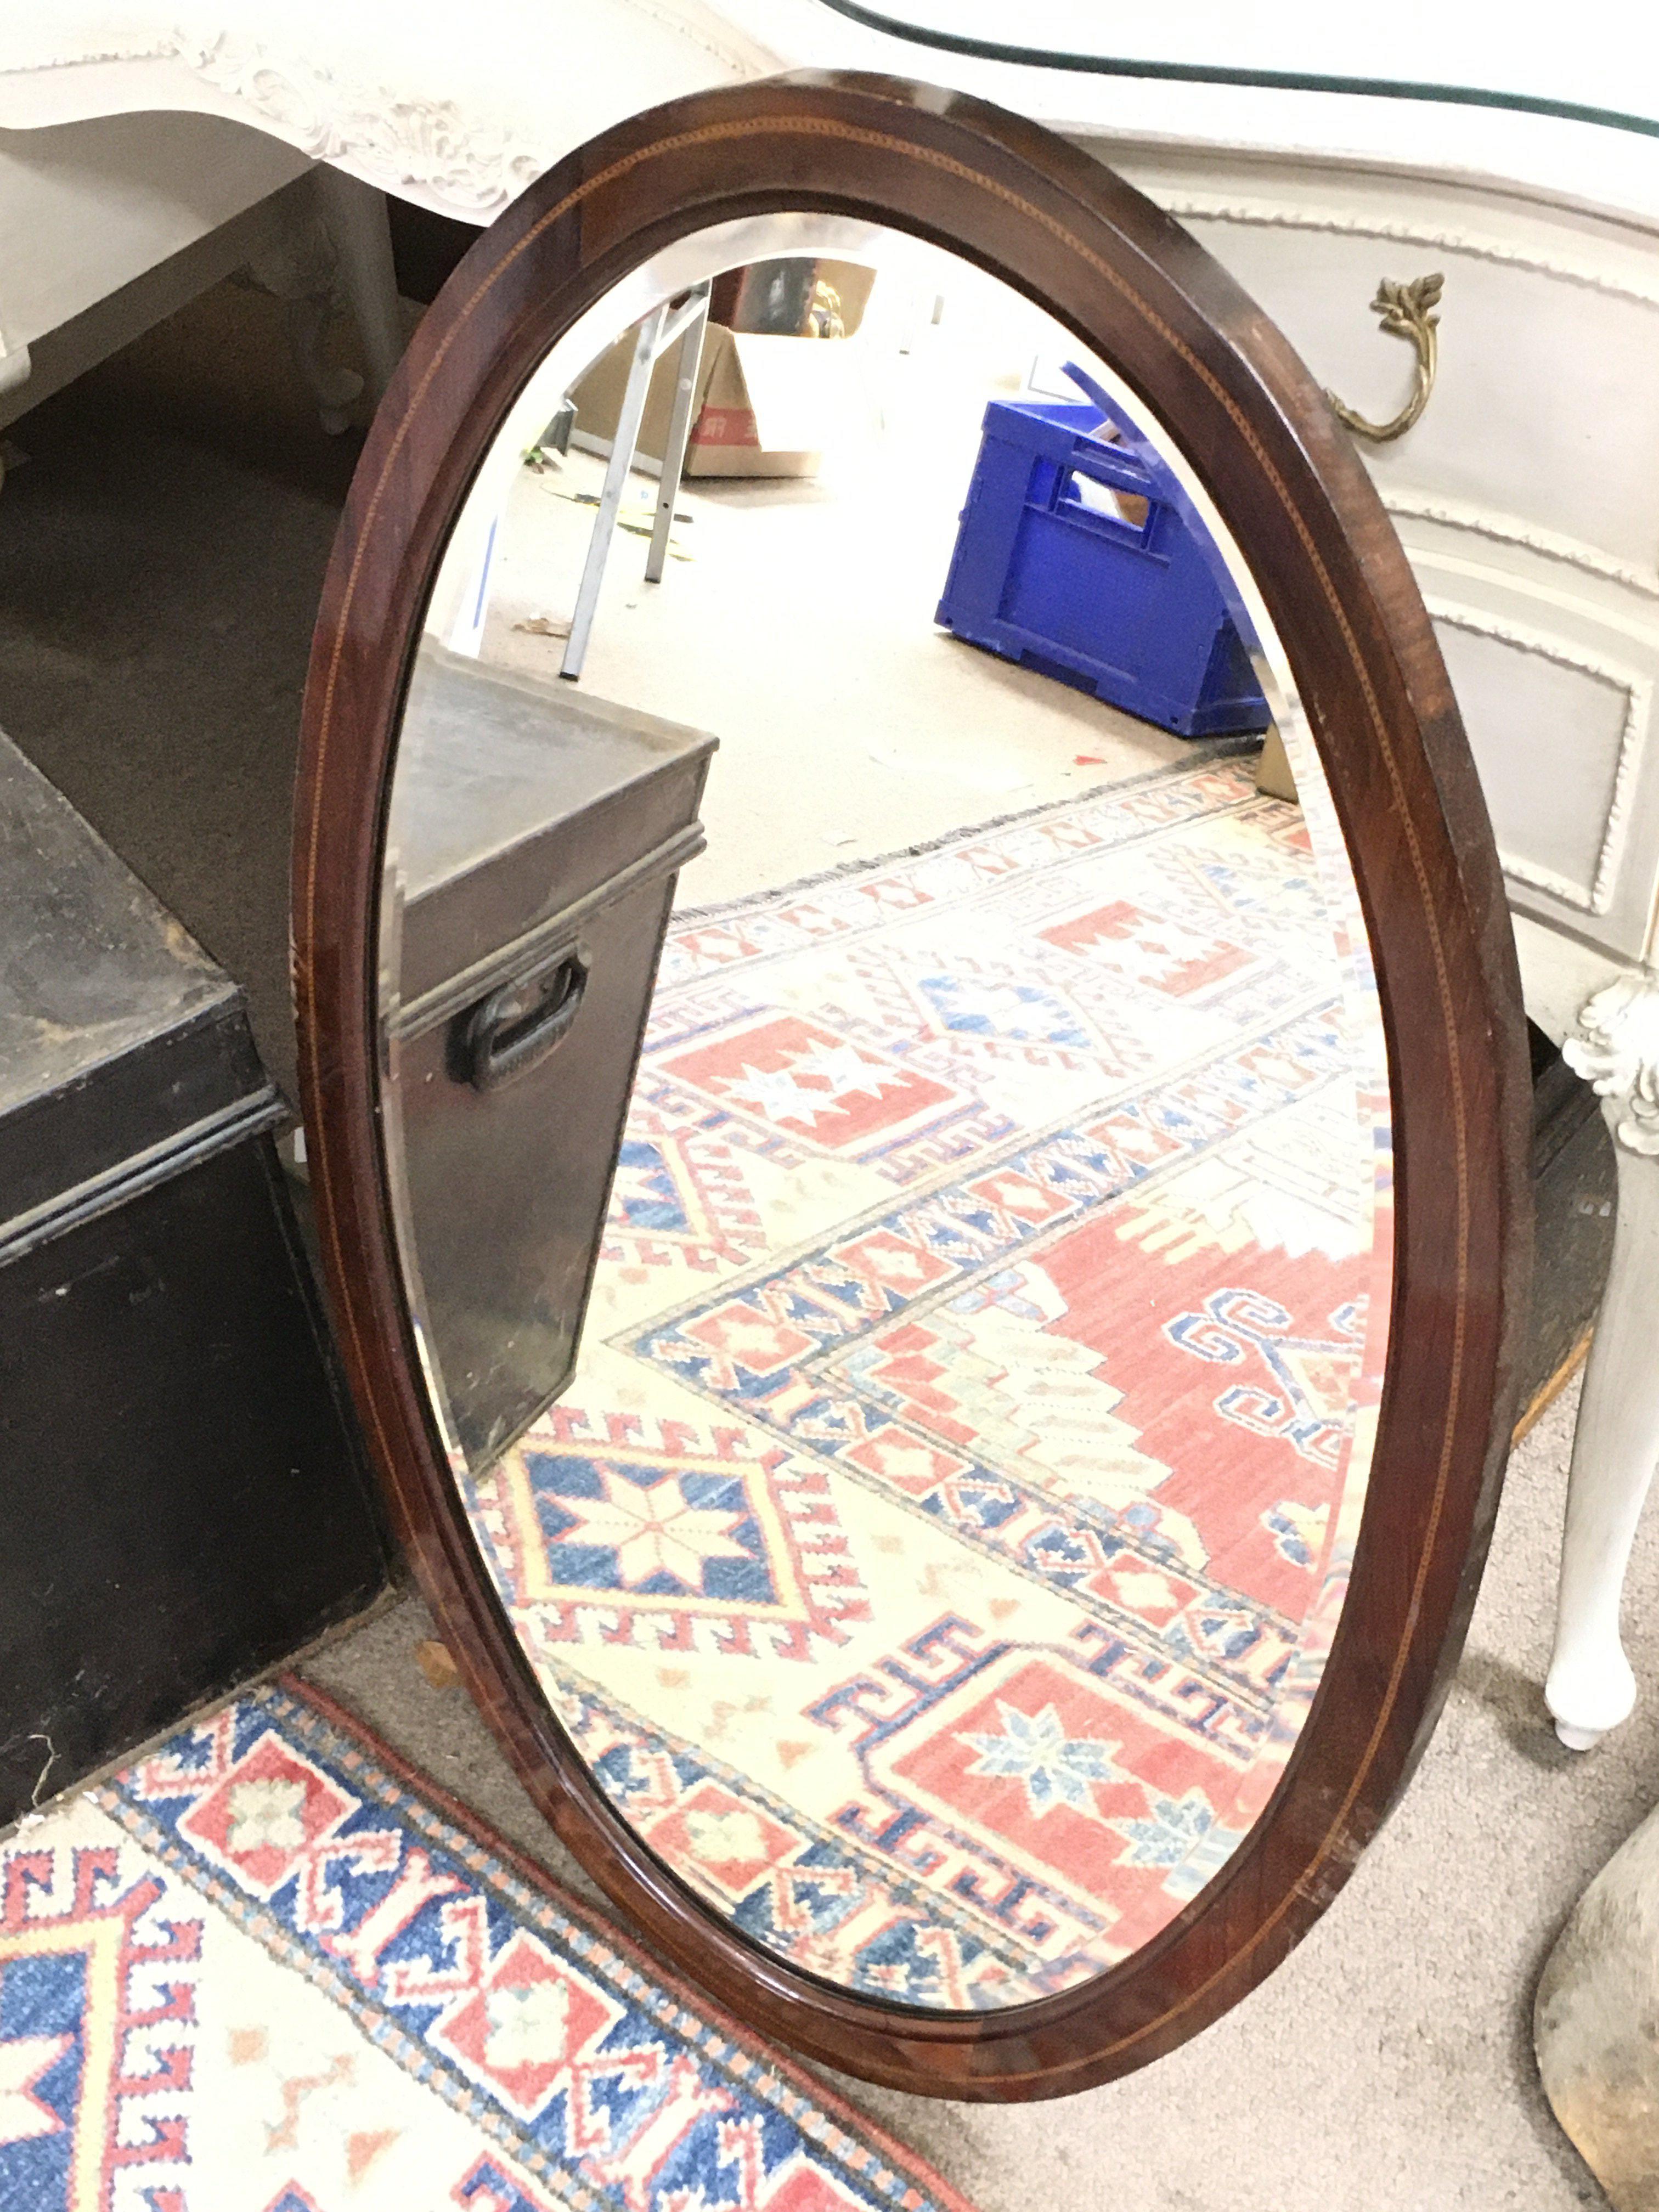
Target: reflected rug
[
  {"x": 270, "y": 1969},
  {"x": 939, "y": 1544}
]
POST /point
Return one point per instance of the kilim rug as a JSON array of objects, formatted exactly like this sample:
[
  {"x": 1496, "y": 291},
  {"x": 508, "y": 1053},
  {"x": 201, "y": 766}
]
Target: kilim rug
[
  {"x": 940, "y": 1542},
  {"x": 271, "y": 1970}
]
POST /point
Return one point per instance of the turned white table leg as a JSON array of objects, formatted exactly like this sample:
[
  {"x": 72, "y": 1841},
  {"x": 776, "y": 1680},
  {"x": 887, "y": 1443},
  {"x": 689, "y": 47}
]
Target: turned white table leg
[
  {"x": 1590, "y": 1687},
  {"x": 335, "y": 245},
  {"x": 300, "y": 267},
  {"x": 356, "y": 216}
]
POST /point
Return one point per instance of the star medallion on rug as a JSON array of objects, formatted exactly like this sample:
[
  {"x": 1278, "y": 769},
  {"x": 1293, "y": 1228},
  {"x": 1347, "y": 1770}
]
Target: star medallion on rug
[{"x": 270, "y": 1969}]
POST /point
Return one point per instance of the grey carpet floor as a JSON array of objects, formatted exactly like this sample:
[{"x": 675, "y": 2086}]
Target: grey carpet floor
[{"x": 161, "y": 553}]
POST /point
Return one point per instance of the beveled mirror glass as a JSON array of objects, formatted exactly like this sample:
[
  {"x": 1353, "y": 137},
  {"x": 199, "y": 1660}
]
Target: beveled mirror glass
[{"x": 884, "y": 1130}]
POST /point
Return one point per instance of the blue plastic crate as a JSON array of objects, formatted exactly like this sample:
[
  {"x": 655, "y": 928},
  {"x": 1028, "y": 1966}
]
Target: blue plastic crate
[{"x": 1079, "y": 555}]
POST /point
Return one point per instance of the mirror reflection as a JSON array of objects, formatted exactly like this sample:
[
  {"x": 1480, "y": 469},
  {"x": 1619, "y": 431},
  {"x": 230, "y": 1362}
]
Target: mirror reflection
[{"x": 832, "y": 795}]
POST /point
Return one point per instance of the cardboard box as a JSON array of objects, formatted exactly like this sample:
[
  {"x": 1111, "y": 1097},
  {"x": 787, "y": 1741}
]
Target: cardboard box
[
  {"x": 1272, "y": 771},
  {"x": 765, "y": 406}
]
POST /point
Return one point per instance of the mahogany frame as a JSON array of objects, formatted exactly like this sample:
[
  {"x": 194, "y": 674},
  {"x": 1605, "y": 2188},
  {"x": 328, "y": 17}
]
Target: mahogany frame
[{"x": 1138, "y": 290}]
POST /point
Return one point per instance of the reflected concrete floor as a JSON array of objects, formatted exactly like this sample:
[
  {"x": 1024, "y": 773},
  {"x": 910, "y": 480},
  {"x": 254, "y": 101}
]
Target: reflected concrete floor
[{"x": 799, "y": 628}]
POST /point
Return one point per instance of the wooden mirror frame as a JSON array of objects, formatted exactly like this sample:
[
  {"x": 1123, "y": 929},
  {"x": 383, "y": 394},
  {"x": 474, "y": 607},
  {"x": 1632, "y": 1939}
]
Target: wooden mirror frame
[{"x": 1134, "y": 286}]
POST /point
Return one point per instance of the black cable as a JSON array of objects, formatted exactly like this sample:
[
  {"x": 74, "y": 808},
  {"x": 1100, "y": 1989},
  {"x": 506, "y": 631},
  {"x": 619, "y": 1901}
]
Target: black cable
[{"x": 1375, "y": 87}]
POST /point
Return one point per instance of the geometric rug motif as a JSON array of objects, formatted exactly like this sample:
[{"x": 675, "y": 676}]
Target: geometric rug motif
[
  {"x": 269, "y": 1970},
  {"x": 646, "y": 1539},
  {"x": 936, "y": 1550}
]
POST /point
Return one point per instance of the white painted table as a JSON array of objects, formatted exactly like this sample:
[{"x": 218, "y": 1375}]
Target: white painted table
[{"x": 1527, "y": 495}]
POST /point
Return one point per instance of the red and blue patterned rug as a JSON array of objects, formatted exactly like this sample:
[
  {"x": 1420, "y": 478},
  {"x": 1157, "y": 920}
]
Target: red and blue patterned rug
[
  {"x": 268, "y": 1969},
  {"x": 939, "y": 1546}
]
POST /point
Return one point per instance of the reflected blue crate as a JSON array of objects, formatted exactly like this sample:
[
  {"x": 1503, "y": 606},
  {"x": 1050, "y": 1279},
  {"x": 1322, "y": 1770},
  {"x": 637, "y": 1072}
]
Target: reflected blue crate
[{"x": 1079, "y": 555}]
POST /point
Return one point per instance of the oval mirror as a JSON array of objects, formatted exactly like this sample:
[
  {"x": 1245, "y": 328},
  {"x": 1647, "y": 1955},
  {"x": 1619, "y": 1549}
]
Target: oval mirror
[{"x": 913, "y": 1074}]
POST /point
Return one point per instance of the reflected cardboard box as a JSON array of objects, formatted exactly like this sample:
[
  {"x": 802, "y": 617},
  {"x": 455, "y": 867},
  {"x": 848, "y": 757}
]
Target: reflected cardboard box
[{"x": 767, "y": 405}]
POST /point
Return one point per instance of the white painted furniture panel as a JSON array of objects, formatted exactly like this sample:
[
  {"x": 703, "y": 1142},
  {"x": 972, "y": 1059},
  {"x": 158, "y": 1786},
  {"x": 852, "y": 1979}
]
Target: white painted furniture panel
[
  {"x": 1527, "y": 495},
  {"x": 1559, "y": 702},
  {"x": 1541, "y": 426},
  {"x": 86, "y": 207},
  {"x": 1518, "y": 694}
]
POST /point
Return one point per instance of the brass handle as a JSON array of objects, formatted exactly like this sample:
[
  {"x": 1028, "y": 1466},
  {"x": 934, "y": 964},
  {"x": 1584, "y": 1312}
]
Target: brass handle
[{"x": 1405, "y": 310}]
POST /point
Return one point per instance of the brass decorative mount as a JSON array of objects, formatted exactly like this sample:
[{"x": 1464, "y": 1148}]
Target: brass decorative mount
[{"x": 1406, "y": 313}]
